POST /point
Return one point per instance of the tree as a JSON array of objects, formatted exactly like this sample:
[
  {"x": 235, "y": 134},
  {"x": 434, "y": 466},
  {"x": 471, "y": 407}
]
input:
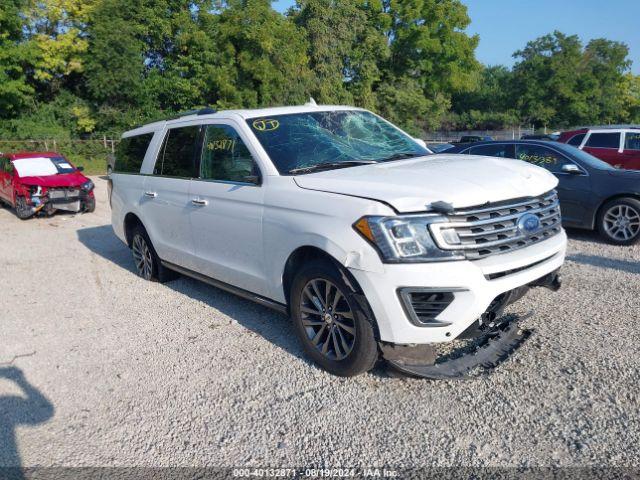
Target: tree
[
  {"x": 431, "y": 55},
  {"x": 262, "y": 58},
  {"x": 57, "y": 31},
  {"x": 346, "y": 45},
  {"x": 558, "y": 81},
  {"x": 15, "y": 92}
]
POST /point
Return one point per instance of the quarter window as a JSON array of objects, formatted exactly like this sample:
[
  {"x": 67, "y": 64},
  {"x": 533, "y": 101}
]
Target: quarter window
[
  {"x": 632, "y": 141},
  {"x": 225, "y": 157},
  {"x": 130, "y": 153},
  {"x": 576, "y": 140},
  {"x": 499, "y": 150},
  {"x": 177, "y": 157},
  {"x": 604, "y": 140},
  {"x": 541, "y": 156}
]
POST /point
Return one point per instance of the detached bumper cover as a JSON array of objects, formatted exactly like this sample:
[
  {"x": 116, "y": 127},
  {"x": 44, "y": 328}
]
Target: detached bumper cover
[{"x": 487, "y": 355}]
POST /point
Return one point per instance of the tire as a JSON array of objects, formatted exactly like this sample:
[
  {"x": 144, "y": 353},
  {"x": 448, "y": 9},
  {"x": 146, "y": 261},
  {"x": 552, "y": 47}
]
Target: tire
[
  {"x": 146, "y": 260},
  {"x": 341, "y": 345},
  {"x": 90, "y": 205},
  {"x": 23, "y": 211},
  {"x": 619, "y": 221}
]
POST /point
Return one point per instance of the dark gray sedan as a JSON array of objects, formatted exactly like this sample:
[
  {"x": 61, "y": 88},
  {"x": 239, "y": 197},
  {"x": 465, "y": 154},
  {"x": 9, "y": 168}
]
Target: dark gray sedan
[{"x": 593, "y": 194}]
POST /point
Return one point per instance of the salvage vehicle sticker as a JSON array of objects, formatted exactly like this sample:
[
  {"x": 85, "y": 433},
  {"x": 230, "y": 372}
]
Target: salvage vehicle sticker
[
  {"x": 266, "y": 125},
  {"x": 538, "y": 159},
  {"x": 224, "y": 144}
]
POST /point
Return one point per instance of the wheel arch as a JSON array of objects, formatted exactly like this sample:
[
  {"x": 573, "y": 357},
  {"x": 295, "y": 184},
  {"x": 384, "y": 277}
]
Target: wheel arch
[
  {"x": 131, "y": 220},
  {"x": 598, "y": 211},
  {"x": 308, "y": 253}
]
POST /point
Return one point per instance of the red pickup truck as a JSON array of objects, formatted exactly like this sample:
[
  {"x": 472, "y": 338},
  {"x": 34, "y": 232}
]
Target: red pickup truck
[{"x": 43, "y": 182}]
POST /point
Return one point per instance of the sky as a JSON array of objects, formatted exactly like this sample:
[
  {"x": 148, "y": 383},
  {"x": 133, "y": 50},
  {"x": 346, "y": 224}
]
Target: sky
[{"x": 505, "y": 26}]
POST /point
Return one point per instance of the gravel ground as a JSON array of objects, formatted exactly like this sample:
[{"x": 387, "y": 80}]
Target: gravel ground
[{"x": 118, "y": 371}]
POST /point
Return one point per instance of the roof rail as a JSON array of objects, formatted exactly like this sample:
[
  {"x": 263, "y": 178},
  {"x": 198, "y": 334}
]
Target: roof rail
[
  {"x": 606, "y": 127},
  {"x": 196, "y": 111}
]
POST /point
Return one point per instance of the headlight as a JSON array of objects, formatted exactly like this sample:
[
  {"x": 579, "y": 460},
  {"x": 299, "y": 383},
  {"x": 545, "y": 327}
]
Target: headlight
[
  {"x": 405, "y": 238},
  {"x": 88, "y": 186}
]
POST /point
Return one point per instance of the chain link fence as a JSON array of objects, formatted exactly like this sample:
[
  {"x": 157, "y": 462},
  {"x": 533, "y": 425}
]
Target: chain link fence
[{"x": 513, "y": 133}]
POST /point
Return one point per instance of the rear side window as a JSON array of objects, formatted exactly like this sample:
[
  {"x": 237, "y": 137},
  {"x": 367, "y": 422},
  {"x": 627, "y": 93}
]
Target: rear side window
[
  {"x": 500, "y": 150},
  {"x": 178, "y": 155},
  {"x": 604, "y": 140},
  {"x": 576, "y": 140},
  {"x": 632, "y": 141},
  {"x": 130, "y": 153}
]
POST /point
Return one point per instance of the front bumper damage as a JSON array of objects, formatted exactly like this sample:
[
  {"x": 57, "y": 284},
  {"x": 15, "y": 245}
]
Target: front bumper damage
[
  {"x": 491, "y": 340},
  {"x": 67, "y": 199}
]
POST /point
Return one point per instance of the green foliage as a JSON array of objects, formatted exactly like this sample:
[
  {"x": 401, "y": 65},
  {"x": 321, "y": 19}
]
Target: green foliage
[
  {"x": 557, "y": 80},
  {"x": 14, "y": 89},
  {"x": 85, "y": 68}
]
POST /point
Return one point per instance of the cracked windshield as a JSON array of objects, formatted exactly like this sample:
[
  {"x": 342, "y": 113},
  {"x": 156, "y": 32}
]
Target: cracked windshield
[{"x": 314, "y": 141}]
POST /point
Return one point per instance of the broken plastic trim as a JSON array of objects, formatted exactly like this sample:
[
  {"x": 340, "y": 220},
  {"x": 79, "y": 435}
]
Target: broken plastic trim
[{"x": 494, "y": 350}]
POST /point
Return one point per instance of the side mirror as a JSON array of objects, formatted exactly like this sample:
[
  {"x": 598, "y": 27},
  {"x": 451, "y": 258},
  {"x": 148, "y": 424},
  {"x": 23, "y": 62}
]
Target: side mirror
[
  {"x": 420, "y": 142},
  {"x": 80, "y": 169},
  {"x": 571, "y": 169},
  {"x": 255, "y": 179}
]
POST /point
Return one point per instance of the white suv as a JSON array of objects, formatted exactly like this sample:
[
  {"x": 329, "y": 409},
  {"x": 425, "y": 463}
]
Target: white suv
[{"x": 342, "y": 220}]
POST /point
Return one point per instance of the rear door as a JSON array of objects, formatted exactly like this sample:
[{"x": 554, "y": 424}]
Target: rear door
[
  {"x": 165, "y": 203},
  {"x": 605, "y": 146},
  {"x": 227, "y": 210},
  {"x": 574, "y": 190},
  {"x": 631, "y": 152}
]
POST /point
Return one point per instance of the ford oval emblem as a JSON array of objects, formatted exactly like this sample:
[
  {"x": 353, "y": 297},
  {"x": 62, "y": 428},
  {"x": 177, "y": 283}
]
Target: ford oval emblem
[{"x": 529, "y": 224}]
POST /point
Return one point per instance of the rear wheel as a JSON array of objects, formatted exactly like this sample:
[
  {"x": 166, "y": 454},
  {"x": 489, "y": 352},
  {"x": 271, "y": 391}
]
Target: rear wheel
[
  {"x": 23, "y": 210},
  {"x": 619, "y": 221},
  {"x": 335, "y": 331},
  {"x": 146, "y": 260}
]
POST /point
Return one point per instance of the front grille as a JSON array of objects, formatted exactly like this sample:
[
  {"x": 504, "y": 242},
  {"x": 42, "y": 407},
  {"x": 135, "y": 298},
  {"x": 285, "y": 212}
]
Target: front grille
[
  {"x": 63, "y": 193},
  {"x": 424, "y": 305},
  {"x": 494, "y": 229}
]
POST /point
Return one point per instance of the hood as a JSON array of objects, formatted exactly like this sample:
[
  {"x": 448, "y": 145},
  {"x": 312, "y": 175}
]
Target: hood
[
  {"x": 411, "y": 185},
  {"x": 74, "y": 179}
]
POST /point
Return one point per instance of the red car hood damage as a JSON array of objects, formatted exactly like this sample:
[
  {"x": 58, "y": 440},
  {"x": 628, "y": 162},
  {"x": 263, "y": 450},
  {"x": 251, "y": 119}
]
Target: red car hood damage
[{"x": 51, "y": 181}]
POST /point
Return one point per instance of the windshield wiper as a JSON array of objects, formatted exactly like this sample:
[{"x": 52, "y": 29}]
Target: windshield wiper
[
  {"x": 401, "y": 156},
  {"x": 330, "y": 165}
]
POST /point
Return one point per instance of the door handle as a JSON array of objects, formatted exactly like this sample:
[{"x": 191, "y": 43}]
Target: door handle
[
  {"x": 150, "y": 194},
  {"x": 199, "y": 203}
]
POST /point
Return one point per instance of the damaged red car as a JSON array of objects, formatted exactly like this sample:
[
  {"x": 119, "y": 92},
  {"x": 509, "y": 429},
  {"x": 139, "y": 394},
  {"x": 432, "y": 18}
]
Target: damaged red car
[{"x": 42, "y": 183}]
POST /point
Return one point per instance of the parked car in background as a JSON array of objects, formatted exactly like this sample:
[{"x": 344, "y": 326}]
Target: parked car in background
[
  {"x": 331, "y": 214},
  {"x": 474, "y": 138},
  {"x": 541, "y": 136},
  {"x": 619, "y": 146},
  {"x": 438, "y": 147},
  {"x": 593, "y": 194},
  {"x": 43, "y": 182}
]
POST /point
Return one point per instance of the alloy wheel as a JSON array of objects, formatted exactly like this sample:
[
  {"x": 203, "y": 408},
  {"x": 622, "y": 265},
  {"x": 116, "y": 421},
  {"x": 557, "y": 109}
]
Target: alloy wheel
[
  {"x": 622, "y": 222},
  {"x": 142, "y": 257},
  {"x": 327, "y": 319}
]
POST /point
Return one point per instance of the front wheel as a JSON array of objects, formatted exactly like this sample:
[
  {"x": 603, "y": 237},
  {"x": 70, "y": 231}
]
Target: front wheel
[
  {"x": 90, "y": 205},
  {"x": 619, "y": 221},
  {"x": 23, "y": 210},
  {"x": 332, "y": 326}
]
